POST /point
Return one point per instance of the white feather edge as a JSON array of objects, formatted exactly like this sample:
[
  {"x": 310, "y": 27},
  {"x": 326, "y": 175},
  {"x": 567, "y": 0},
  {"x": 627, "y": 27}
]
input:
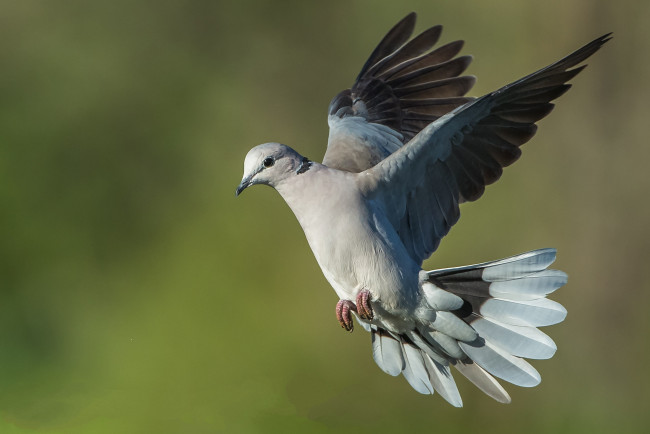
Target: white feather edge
[
  {"x": 519, "y": 265},
  {"x": 508, "y": 268},
  {"x": 442, "y": 342},
  {"x": 387, "y": 353},
  {"x": 499, "y": 363},
  {"x": 521, "y": 341},
  {"x": 539, "y": 312},
  {"x": 427, "y": 348},
  {"x": 484, "y": 381},
  {"x": 529, "y": 287},
  {"x": 443, "y": 382},
  {"x": 414, "y": 370},
  {"x": 449, "y": 324}
]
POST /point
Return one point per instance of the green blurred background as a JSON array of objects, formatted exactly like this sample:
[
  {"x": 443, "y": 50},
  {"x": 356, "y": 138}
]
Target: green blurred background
[{"x": 138, "y": 296}]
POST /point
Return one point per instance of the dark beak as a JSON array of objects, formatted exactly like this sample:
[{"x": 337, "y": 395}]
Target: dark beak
[{"x": 244, "y": 184}]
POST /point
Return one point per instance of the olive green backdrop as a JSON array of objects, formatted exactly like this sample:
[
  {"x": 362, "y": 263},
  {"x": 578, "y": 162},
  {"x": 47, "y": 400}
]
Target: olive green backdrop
[{"x": 137, "y": 295}]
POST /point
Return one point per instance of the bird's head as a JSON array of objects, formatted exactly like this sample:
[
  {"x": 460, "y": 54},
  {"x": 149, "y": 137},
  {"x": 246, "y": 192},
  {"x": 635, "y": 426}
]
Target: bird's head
[{"x": 270, "y": 164}]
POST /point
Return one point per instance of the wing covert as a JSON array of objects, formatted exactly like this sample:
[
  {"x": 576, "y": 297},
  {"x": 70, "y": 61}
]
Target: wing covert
[
  {"x": 452, "y": 159},
  {"x": 402, "y": 87}
]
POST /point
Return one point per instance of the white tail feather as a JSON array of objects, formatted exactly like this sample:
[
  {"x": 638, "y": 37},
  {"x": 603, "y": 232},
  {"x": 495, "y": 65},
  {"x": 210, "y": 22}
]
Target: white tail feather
[
  {"x": 443, "y": 382},
  {"x": 415, "y": 371},
  {"x": 445, "y": 343},
  {"x": 519, "y": 341},
  {"x": 499, "y": 363},
  {"x": 387, "y": 353},
  {"x": 449, "y": 324},
  {"x": 432, "y": 352},
  {"x": 484, "y": 381},
  {"x": 481, "y": 318},
  {"x": 530, "y": 287},
  {"x": 518, "y": 266},
  {"x": 537, "y": 313}
]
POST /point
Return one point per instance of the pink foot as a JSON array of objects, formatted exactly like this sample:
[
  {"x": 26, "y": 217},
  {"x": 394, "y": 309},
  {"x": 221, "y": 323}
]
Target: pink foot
[
  {"x": 344, "y": 315},
  {"x": 364, "y": 310}
]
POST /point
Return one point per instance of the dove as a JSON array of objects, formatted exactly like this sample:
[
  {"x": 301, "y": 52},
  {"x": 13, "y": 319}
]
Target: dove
[{"x": 406, "y": 148}]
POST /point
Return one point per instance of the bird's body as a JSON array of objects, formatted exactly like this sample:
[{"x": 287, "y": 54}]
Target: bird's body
[
  {"x": 356, "y": 251},
  {"x": 405, "y": 149}
]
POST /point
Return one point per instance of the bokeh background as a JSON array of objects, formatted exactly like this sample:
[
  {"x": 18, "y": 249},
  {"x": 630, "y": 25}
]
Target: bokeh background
[{"x": 137, "y": 295}]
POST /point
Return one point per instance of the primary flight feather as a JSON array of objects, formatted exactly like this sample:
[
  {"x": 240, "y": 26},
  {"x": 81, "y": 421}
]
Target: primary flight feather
[{"x": 405, "y": 149}]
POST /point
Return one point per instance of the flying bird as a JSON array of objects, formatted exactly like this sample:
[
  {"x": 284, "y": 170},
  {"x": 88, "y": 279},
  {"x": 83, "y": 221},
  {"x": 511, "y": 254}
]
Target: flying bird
[{"x": 405, "y": 149}]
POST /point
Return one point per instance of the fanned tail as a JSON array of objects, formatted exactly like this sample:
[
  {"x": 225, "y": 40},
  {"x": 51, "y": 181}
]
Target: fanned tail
[{"x": 484, "y": 321}]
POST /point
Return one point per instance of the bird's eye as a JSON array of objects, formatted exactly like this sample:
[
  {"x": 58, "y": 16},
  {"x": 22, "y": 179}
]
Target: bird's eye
[{"x": 268, "y": 162}]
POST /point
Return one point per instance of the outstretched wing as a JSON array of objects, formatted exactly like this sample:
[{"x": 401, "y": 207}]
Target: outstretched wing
[
  {"x": 455, "y": 157},
  {"x": 401, "y": 89}
]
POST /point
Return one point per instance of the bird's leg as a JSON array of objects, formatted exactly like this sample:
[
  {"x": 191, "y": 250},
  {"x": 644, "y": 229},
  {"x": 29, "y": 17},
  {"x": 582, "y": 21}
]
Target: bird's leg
[
  {"x": 344, "y": 315},
  {"x": 364, "y": 310}
]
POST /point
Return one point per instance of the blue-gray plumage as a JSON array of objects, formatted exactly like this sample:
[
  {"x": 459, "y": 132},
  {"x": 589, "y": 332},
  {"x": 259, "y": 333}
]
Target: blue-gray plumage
[{"x": 405, "y": 149}]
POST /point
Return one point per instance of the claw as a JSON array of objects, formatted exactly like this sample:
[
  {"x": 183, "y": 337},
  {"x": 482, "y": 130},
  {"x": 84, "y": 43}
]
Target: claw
[
  {"x": 364, "y": 310},
  {"x": 343, "y": 308}
]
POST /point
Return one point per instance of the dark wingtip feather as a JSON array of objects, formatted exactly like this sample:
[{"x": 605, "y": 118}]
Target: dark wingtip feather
[
  {"x": 394, "y": 39},
  {"x": 557, "y": 69},
  {"x": 583, "y": 53},
  {"x": 606, "y": 37},
  {"x": 411, "y": 50}
]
